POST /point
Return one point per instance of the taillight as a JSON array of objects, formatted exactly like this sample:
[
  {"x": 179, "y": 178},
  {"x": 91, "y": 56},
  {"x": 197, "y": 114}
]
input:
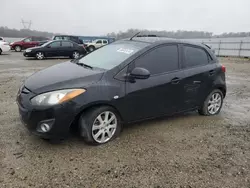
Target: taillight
[{"x": 223, "y": 68}]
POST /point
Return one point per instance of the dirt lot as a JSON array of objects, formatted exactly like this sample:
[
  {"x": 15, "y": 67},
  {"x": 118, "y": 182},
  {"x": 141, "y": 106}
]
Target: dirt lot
[{"x": 185, "y": 151}]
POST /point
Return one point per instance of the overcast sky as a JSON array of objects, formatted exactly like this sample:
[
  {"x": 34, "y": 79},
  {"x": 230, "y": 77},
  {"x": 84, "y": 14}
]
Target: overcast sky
[{"x": 98, "y": 17}]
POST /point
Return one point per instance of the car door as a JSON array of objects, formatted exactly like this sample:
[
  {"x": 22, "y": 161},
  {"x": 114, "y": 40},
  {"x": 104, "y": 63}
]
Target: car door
[
  {"x": 66, "y": 49},
  {"x": 159, "y": 94},
  {"x": 52, "y": 49},
  {"x": 199, "y": 70},
  {"x": 27, "y": 43},
  {"x": 98, "y": 43},
  {"x": 104, "y": 42}
]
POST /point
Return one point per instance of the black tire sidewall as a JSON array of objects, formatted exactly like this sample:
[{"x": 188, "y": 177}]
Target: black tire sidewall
[
  {"x": 87, "y": 119},
  {"x": 204, "y": 109}
]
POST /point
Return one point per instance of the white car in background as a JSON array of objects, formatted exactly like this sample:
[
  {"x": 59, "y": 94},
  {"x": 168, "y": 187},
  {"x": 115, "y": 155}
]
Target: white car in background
[
  {"x": 2, "y": 39},
  {"x": 4, "y": 47},
  {"x": 96, "y": 44}
]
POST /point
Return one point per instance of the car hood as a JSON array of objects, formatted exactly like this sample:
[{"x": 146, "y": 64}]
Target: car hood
[
  {"x": 34, "y": 48},
  {"x": 62, "y": 76},
  {"x": 16, "y": 42}
]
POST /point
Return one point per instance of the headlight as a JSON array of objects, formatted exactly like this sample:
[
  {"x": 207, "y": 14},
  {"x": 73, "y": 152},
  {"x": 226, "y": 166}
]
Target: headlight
[
  {"x": 56, "y": 97},
  {"x": 28, "y": 50}
]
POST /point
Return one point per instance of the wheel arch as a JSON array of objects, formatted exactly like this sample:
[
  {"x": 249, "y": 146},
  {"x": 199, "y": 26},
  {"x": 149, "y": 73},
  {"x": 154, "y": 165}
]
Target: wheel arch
[{"x": 74, "y": 123}]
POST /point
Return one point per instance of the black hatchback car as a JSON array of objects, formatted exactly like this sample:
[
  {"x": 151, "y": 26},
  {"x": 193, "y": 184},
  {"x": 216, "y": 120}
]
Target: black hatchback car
[
  {"x": 126, "y": 81},
  {"x": 56, "y": 48}
]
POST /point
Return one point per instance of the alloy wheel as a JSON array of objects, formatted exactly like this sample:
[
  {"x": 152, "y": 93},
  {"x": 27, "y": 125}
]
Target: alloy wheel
[
  {"x": 18, "y": 49},
  {"x": 104, "y": 127},
  {"x": 39, "y": 55},
  {"x": 214, "y": 103},
  {"x": 76, "y": 55}
]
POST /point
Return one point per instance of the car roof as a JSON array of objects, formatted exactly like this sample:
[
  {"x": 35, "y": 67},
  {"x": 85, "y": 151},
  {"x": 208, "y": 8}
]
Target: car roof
[
  {"x": 61, "y": 40},
  {"x": 163, "y": 40},
  {"x": 65, "y": 36}
]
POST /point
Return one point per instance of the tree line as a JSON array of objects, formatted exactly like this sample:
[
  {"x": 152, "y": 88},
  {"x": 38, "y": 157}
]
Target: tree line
[
  {"x": 15, "y": 33},
  {"x": 176, "y": 34},
  {"x": 7, "y": 32}
]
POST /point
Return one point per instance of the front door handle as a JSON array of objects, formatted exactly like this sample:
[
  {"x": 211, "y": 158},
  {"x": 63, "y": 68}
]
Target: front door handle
[
  {"x": 175, "y": 80},
  {"x": 196, "y": 82}
]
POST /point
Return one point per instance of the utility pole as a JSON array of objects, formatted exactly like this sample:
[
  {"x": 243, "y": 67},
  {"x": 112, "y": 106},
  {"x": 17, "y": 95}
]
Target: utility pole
[{"x": 26, "y": 24}]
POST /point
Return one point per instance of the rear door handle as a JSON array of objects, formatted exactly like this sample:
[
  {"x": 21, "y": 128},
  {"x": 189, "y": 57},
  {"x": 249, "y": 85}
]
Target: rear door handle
[
  {"x": 211, "y": 72},
  {"x": 175, "y": 80}
]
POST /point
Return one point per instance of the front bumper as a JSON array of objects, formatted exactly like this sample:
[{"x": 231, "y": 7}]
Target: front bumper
[
  {"x": 28, "y": 54},
  {"x": 59, "y": 117}
]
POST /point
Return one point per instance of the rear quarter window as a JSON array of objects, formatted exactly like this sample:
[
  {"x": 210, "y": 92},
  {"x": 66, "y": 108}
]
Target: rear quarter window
[{"x": 195, "y": 56}]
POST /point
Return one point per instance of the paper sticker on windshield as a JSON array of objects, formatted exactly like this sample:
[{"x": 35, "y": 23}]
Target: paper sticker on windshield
[{"x": 126, "y": 51}]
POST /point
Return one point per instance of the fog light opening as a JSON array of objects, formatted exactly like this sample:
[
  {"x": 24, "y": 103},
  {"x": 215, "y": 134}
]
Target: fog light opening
[{"x": 45, "y": 127}]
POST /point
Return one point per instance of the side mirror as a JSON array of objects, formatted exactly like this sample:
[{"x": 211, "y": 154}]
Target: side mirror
[{"x": 139, "y": 73}]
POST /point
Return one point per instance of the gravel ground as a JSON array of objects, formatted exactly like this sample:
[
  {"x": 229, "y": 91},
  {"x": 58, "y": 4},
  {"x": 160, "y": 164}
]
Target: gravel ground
[{"x": 185, "y": 151}]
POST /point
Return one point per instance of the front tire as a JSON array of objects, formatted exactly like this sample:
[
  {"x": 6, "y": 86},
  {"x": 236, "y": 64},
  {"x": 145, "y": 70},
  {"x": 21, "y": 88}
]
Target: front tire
[
  {"x": 213, "y": 103},
  {"x": 91, "y": 48},
  {"x": 39, "y": 55},
  {"x": 0, "y": 51},
  {"x": 18, "y": 48},
  {"x": 100, "y": 125}
]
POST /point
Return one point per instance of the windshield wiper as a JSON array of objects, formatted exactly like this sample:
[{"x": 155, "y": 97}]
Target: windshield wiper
[{"x": 84, "y": 65}]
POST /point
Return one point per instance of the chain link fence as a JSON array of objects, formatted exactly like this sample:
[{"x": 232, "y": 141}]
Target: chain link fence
[{"x": 235, "y": 47}]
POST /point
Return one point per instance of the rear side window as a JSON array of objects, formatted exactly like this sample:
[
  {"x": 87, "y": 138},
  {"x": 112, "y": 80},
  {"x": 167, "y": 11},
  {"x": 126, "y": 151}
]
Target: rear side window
[
  {"x": 195, "y": 56},
  {"x": 67, "y": 44},
  {"x": 105, "y": 42},
  {"x": 160, "y": 60}
]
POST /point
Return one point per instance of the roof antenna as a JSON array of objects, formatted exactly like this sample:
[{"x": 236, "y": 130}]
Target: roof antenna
[{"x": 134, "y": 35}]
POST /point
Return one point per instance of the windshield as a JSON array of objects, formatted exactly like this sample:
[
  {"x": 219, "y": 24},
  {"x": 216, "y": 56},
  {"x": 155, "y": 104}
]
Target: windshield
[
  {"x": 45, "y": 44},
  {"x": 111, "y": 55}
]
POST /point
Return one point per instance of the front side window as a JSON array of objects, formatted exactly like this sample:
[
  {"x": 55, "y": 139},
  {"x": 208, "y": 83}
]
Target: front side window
[
  {"x": 58, "y": 38},
  {"x": 99, "y": 42},
  {"x": 160, "y": 60},
  {"x": 55, "y": 44},
  {"x": 195, "y": 56},
  {"x": 112, "y": 55},
  {"x": 27, "y": 40}
]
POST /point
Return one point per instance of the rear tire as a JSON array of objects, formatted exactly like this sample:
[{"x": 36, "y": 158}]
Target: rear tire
[
  {"x": 213, "y": 103},
  {"x": 95, "y": 122},
  {"x": 0, "y": 51},
  {"x": 39, "y": 55},
  {"x": 18, "y": 48},
  {"x": 75, "y": 55}
]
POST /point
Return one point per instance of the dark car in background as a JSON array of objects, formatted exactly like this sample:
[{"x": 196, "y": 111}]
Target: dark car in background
[
  {"x": 75, "y": 39},
  {"x": 27, "y": 42},
  {"x": 56, "y": 48},
  {"x": 125, "y": 81}
]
